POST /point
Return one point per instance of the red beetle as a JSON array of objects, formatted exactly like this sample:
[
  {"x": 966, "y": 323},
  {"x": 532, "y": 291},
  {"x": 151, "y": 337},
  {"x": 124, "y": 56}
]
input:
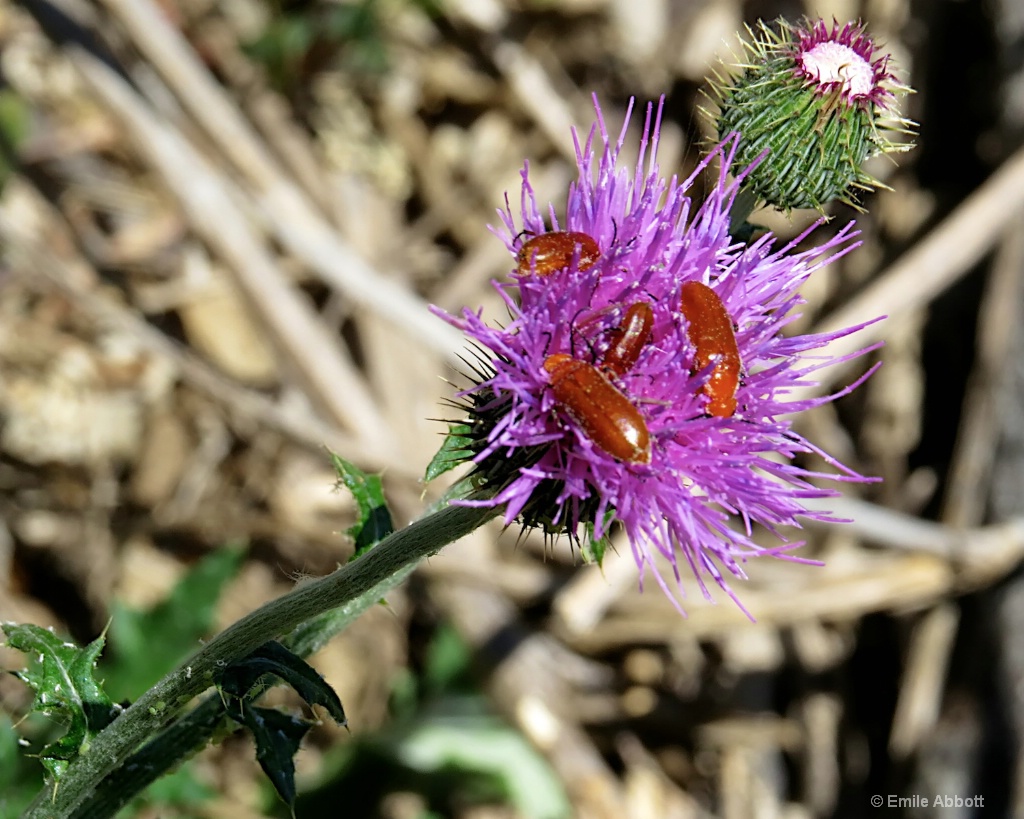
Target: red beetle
[
  {"x": 603, "y": 412},
  {"x": 628, "y": 340},
  {"x": 713, "y": 337},
  {"x": 549, "y": 252}
]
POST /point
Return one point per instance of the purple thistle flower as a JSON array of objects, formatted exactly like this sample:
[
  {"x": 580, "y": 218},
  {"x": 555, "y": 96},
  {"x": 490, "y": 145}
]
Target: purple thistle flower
[{"x": 709, "y": 479}]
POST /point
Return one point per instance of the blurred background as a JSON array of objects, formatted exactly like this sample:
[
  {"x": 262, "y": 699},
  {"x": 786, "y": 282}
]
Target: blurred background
[{"x": 221, "y": 224}]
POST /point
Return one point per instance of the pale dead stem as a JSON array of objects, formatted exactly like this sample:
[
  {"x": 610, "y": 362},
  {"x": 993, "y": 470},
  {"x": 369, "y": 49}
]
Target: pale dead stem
[
  {"x": 946, "y": 254},
  {"x": 984, "y": 560},
  {"x": 922, "y": 562},
  {"x": 41, "y": 268},
  {"x": 308, "y": 348},
  {"x": 286, "y": 211}
]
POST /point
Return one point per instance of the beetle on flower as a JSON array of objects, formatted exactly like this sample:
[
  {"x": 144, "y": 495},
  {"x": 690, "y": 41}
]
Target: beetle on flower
[{"x": 708, "y": 476}]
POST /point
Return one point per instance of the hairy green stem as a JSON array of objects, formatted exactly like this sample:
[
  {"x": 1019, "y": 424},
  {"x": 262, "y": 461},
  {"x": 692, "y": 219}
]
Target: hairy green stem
[
  {"x": 158, "y": 706},
  {"x": 193, "y": 731},
  {"x": 174, "y": 744}
]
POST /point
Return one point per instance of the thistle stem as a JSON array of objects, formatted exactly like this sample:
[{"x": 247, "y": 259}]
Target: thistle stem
[
  {"x": 161, "y": 703},
  {"x": 742, "y": 207}
]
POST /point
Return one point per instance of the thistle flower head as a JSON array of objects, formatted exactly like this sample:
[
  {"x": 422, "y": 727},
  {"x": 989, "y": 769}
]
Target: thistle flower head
[
  {"x": 843, "y": 61},
  {"x": 821, "y": 100},
  {"x": 621, "y": 391}
]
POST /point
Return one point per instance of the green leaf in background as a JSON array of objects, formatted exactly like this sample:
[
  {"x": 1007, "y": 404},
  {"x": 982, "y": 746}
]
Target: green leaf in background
[
  {"x": 295, "y": 45},
  {"x": 273, "y": 658},
  {"x": 14, "y": 127},
  {"x": 282, "y": 47},
  {"x": 448, "y": 663},
  {"x": 484, "y": 745},
  {"x": 147, "y": 644},
  {"x": 179, "y": 789},
  {"x": 278, "y": 736},
  {"x": 443, "y": 743},
  {"x": 453, "y": 752},
  {"x": 447, "y": 669},
  {"x": 454, "y": 451},
  {"x": 62, "y": 675},
  {"x": 20, "y": 778},
  {"x": 374, "y": 523}
]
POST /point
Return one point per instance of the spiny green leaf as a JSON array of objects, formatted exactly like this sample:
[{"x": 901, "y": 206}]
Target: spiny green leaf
[
  {"x": 62, "y": 676},
  {"x": 595, "y": 548},
  {"x": 456, "y": 449},
  {"x": 273, "y": 658},
  {"x": 278, "y": 736},
  {"x": 148, "y": 643},
  {"x": 375, "y": 521}
]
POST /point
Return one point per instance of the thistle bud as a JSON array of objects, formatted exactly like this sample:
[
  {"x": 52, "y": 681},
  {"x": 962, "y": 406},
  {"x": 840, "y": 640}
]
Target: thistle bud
[{"x": 821, "y": 101}]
